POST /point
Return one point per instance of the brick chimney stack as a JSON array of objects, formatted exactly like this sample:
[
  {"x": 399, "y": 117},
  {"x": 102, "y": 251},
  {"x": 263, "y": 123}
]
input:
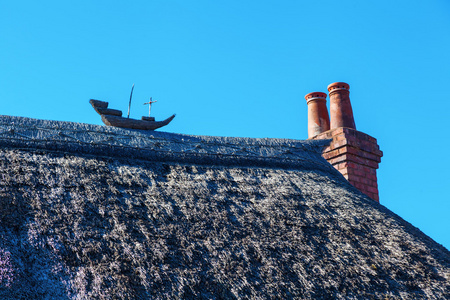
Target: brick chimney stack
[
  {"x": 318, "y": 119},
  {"x": 353, "y": 153}
]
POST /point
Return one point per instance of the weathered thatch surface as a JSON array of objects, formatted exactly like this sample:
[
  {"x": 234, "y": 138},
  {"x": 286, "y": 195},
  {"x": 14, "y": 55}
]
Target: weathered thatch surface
[{"x": 102, "y": 220}]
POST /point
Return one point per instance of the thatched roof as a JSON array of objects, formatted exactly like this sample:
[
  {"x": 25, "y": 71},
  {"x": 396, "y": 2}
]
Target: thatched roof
[{"x": 89, "y": 212}]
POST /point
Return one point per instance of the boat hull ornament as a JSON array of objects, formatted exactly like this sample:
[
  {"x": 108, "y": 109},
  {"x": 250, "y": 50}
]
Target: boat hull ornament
[{"x": 113, "y": 117}]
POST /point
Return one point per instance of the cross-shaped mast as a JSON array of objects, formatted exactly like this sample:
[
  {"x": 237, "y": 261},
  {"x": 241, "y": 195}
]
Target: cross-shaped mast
[{"x": 150, "y": 105}]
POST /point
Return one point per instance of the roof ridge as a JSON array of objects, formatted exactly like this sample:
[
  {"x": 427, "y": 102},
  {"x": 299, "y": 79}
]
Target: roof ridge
[{"x": 21, "y": 132}]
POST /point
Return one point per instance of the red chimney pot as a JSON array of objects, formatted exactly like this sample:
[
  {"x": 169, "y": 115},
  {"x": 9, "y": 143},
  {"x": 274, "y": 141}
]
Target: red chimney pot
[
  {"x": 340, "y": 107},
  {"x": 318, "y": 119}
]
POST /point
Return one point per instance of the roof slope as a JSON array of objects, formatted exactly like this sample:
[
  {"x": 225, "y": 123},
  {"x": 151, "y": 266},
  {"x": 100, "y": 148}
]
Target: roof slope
[{"x": 93, "y": 212}]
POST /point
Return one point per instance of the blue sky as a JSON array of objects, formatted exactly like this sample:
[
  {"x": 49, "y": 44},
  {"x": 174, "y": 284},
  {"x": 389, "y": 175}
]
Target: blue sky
[{"x": 242, "y": 68}]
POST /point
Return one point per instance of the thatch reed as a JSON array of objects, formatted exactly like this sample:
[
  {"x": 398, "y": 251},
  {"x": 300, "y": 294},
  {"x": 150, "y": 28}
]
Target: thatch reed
[{"x": 75, "y": 224}]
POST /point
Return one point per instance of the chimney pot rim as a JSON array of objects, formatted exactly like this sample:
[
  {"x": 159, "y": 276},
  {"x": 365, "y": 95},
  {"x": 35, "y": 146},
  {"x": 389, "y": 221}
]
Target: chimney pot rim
[
  {"x": 315, "y": 99},
  {"x": 338, "y": 85},
  {"x": 315, "y": 95}
]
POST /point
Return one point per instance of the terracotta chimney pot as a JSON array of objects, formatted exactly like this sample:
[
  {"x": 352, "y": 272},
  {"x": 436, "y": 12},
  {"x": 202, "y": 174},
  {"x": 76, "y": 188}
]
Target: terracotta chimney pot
[
  {"x": 318, "y": 119},
  {"x": 340, "y": 107}
]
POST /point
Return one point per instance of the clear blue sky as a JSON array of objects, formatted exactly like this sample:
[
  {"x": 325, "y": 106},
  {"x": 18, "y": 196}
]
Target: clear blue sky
[{"x": 242, "y": 68}]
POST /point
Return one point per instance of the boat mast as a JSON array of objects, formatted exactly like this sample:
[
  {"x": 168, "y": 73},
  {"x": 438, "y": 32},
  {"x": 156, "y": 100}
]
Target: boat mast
[
  {"x": 150, "y": 105},
  {"x": 129, "y": 104}
]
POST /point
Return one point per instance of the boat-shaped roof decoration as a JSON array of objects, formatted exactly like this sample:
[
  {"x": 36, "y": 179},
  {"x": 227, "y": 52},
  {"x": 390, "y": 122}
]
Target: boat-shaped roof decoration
[{"x": 113, "y": 117}]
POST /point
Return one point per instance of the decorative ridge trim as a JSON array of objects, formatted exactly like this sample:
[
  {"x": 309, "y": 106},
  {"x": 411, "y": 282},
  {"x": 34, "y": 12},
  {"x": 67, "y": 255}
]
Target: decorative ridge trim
[{"x": 32, "y": 134}]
